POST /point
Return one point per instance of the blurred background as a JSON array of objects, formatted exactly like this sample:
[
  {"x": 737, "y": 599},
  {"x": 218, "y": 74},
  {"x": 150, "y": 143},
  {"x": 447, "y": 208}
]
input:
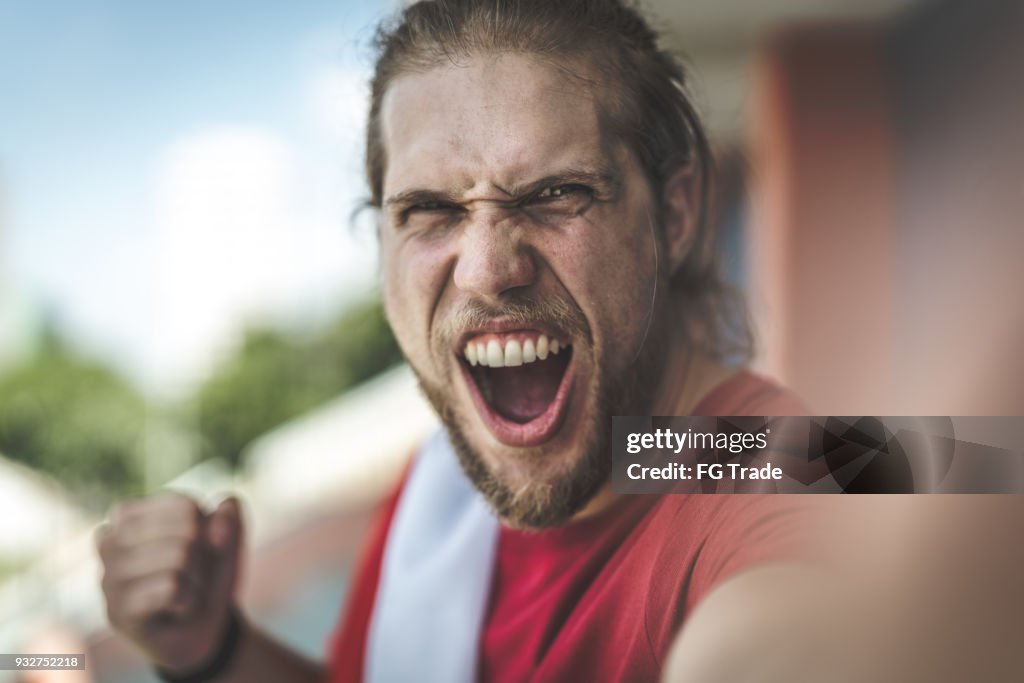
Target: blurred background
[{"x": 187, "y": 285}]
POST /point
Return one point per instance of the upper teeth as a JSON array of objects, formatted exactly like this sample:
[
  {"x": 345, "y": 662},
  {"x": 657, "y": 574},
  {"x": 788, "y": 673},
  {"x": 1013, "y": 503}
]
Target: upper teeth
[{"x": 491, "y": 354}]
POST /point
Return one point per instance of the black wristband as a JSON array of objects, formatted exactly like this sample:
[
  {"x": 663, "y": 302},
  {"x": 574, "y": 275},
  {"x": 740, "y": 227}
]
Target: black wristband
[{"x": 220, "y": 661}]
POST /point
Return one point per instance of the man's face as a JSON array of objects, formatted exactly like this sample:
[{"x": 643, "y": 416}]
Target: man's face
[{"x": 519, "y": 260}]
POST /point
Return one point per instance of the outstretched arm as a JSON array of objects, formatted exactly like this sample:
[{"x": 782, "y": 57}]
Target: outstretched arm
[{"x": 914, "y": 589}]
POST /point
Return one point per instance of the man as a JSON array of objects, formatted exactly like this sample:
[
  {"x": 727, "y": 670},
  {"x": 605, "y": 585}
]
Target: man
[{"x": 541, "y": 183}]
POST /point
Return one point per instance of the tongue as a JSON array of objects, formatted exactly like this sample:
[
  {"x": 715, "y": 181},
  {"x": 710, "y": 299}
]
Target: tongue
[{"x": 523, "y": 393}]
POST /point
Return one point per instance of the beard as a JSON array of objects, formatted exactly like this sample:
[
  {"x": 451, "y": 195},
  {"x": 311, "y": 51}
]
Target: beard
[{"x": 556, "y": 488}]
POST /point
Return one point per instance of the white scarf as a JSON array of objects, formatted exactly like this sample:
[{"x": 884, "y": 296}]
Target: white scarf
[{"x": 435, "y": 577}]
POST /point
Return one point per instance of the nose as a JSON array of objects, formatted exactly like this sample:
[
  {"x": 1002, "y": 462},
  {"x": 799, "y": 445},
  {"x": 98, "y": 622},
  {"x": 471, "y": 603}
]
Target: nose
[{"x": 493, "y": 256}]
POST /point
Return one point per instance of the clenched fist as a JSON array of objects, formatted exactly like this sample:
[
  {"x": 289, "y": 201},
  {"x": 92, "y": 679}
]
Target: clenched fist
[{"x": 170, "y": 573}]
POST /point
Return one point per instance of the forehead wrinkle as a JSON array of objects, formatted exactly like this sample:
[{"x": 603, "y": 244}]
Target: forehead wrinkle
[{"x": 479, "y": 145}]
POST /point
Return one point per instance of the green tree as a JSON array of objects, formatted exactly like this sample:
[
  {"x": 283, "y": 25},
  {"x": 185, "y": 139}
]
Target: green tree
[
  {"x": 274, "y": 377},
  {"x": 75, "y": 419}
]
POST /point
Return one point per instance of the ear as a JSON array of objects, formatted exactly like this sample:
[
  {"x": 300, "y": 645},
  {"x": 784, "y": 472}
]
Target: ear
[{"x": 679, "y": 198}]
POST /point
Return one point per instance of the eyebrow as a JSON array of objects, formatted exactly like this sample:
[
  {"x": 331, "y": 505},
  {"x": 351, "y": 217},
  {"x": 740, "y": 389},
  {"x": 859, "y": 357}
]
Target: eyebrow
[
  {"x": 603, "y": 179},
  {"x": 412, "y": 197}
]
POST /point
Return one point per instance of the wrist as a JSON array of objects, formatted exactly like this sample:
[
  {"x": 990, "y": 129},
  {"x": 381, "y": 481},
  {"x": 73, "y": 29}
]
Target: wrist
[{"x": 218, "y": 662}]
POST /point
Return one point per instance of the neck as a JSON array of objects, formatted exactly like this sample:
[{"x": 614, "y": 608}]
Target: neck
[{"x": 688, "y": 378}]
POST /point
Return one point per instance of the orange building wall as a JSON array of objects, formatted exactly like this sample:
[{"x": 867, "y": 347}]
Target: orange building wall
[{"x": 887, "y": 239}]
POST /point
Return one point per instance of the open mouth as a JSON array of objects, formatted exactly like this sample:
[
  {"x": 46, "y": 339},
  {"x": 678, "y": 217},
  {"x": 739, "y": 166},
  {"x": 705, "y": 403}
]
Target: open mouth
[{"x": 520, "y": 382}]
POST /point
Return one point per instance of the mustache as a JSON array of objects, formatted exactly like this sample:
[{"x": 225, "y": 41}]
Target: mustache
[{"x": 553, "y": 311}]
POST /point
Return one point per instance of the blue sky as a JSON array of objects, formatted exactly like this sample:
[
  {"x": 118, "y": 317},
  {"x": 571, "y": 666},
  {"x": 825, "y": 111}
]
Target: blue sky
[{"x": 130, "y": 132}]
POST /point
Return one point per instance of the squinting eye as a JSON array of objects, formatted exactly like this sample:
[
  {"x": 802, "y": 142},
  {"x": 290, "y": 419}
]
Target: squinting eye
[
  {"x": 430, "y": 206},
  {"x": 562, "y": 191},
  {"x": 428, "y": 210},
  {"x": 559, "y": 203}
]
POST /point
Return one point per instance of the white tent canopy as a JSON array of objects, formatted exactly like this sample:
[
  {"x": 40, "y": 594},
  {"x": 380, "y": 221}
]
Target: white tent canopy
[
  {"x": 35, "y": 515},
  {"x": 347, "y": 451}
]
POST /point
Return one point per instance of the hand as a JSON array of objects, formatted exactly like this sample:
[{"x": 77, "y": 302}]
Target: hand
[{"x": 170, "y": 575}]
